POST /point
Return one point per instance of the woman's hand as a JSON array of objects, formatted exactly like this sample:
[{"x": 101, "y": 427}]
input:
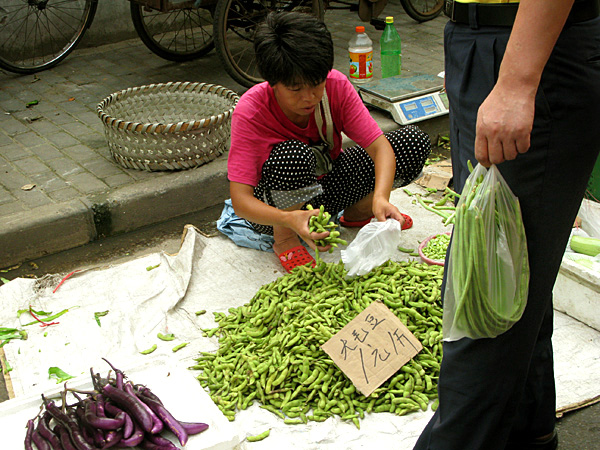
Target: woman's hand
[
  {"x": 383, "y": 209},
  {"x": 287, "y": 224},
  {"x": 298, "y": 221}
]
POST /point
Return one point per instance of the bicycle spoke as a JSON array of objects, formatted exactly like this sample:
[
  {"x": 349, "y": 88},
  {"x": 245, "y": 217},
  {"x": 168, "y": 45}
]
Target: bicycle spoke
[
  {"x": 424, "y": 6},
  {"x": 11, "y": 20},
  {"x": 172, "y": 42},
  {"x": 185, "y": 32},
  {"x": 422, "y": 10},
  {"x": 59, "y": 26},
  {"x": 178, "y": 32},
  {"x": 45, "y": 26},
  {"x": 35, "y": 34}
]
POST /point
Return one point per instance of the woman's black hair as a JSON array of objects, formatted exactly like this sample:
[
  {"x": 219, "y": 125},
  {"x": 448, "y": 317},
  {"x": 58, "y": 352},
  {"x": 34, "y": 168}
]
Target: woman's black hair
[{"x": 293, "y": 48}]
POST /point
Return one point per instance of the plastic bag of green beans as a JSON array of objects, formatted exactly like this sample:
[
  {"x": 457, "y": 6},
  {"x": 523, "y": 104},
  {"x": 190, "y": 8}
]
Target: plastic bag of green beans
[{"x": 488, "y": 268}]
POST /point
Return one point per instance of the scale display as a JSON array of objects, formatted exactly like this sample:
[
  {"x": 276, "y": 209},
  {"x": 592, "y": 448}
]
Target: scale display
[
  {"x": 424, "y": 107},
  {"x": 408, "y": 99}
]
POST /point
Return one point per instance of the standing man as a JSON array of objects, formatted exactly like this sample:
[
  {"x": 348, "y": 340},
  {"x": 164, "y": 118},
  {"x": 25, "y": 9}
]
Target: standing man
[{"x": 523, "y": 83}]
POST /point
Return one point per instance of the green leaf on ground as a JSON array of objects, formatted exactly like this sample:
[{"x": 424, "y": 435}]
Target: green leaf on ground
[{"x": 59, "y": 375}]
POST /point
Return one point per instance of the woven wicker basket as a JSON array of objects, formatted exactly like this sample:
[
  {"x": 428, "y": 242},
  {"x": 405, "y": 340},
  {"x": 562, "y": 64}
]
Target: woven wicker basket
[{"x": 169, "y": 126}]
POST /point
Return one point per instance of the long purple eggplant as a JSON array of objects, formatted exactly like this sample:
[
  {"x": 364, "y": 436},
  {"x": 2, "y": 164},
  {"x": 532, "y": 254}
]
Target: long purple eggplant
[
  {"x": 172, "y": 424},
  {"x": 147, "y": 445},
  {"x": 157, "y": 439},
  {"x": 96, "y": 434},
  {"x": 43, "y": 428},
  {"x": 29, "y": 435},
  {"x": 115, "y": 411},
  {"x": 65, "y": 437},
  {"x": 194, "y": 427},
  {"x": 137, "y": 436},
  {"x": 112, "y": 438},
  {"x": 131, "y": 405},
  {"x": 39, "y": 441},
  {"x": 71, "y": 425},
  {"x": 103, "y": 423},
  {"x": 157, "y": 425}
]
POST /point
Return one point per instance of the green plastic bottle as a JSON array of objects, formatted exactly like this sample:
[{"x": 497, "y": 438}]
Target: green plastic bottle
[{"x": 391, "y": 50}]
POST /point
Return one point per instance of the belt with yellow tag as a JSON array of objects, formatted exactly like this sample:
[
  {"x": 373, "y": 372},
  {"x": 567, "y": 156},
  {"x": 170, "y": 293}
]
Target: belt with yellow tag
[{"x": 503, "y": 14}]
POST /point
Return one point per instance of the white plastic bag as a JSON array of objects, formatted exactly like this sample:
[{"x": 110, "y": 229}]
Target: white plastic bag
[
  {"x": 589, "y": 212},
  {"x": 375, "y": 243}
]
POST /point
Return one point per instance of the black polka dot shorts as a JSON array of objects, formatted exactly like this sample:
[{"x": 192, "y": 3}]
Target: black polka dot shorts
[{"x": 288, "y": 175}]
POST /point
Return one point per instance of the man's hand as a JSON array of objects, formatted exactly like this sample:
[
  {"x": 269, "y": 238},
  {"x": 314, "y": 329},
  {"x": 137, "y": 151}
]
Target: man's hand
[
  {"x": 505, "y": 118},
  {"x": 504, "y": 123}
]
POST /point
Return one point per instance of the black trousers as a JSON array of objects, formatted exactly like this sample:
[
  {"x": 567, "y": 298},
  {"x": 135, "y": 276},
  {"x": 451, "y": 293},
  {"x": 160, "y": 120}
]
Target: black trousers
[
  {"x": 289, "y": 178},
  {"x": 495, "y": 390}
]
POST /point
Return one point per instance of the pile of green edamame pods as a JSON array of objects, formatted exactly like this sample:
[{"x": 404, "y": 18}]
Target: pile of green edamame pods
[
  {"x": 269, "y": 349},
  {"x": 436, "y": 247}
]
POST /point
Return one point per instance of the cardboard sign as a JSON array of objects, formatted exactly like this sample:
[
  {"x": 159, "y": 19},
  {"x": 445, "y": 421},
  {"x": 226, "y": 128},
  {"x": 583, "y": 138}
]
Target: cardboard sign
[
  {"x": 436, "y": 176},
  {"x": 372, "y": 347}
]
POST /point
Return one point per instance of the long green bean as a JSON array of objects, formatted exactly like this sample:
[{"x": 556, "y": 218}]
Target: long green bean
[{"x": 486, "y": 302}]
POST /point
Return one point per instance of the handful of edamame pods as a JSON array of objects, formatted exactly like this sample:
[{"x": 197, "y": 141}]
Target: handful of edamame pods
[{"x": 321, "y": 223}]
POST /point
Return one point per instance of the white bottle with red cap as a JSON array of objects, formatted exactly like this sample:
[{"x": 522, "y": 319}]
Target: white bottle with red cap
[{"x": 360, "y": 50}]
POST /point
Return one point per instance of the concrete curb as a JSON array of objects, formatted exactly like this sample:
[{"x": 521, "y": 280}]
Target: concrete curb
[
  {"x": 55, "y": 228},
  {"x": 49, "y": 229},
  {"x": 156, "y": 201}
]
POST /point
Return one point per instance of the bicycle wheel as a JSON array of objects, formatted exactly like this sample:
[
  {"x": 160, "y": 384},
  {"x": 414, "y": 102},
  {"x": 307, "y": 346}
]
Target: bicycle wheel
[
  {"x": 180, "y": 34},
  {"x": 38, "y": 34},
  {"x": 236, "y": 21},
  {"x": 422, "y": 10}
]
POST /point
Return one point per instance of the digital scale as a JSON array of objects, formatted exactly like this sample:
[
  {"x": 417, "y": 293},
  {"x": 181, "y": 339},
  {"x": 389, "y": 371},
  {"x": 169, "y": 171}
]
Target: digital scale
[{"x": 409, "y": 99}]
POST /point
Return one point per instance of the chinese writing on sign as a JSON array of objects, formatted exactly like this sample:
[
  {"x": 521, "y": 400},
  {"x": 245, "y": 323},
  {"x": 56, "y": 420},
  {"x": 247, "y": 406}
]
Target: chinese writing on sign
[{"x": 372, "y": 347}]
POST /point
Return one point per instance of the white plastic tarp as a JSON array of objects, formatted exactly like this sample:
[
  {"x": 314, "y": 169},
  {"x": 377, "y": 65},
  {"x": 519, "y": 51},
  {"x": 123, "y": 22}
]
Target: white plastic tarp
[{"x": 213, "y": 274}]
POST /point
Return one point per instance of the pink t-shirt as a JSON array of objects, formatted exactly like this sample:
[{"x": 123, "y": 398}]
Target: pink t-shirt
[{"x": 258, "y": 123}]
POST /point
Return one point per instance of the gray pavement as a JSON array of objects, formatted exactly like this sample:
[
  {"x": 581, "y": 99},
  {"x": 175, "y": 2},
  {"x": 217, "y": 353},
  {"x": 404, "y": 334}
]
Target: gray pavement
[{"x": 80, "y": 193}]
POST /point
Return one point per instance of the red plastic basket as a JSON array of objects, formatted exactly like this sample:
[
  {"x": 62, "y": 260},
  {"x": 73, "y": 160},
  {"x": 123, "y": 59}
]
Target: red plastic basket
[{"x": 434, "y": 262}]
